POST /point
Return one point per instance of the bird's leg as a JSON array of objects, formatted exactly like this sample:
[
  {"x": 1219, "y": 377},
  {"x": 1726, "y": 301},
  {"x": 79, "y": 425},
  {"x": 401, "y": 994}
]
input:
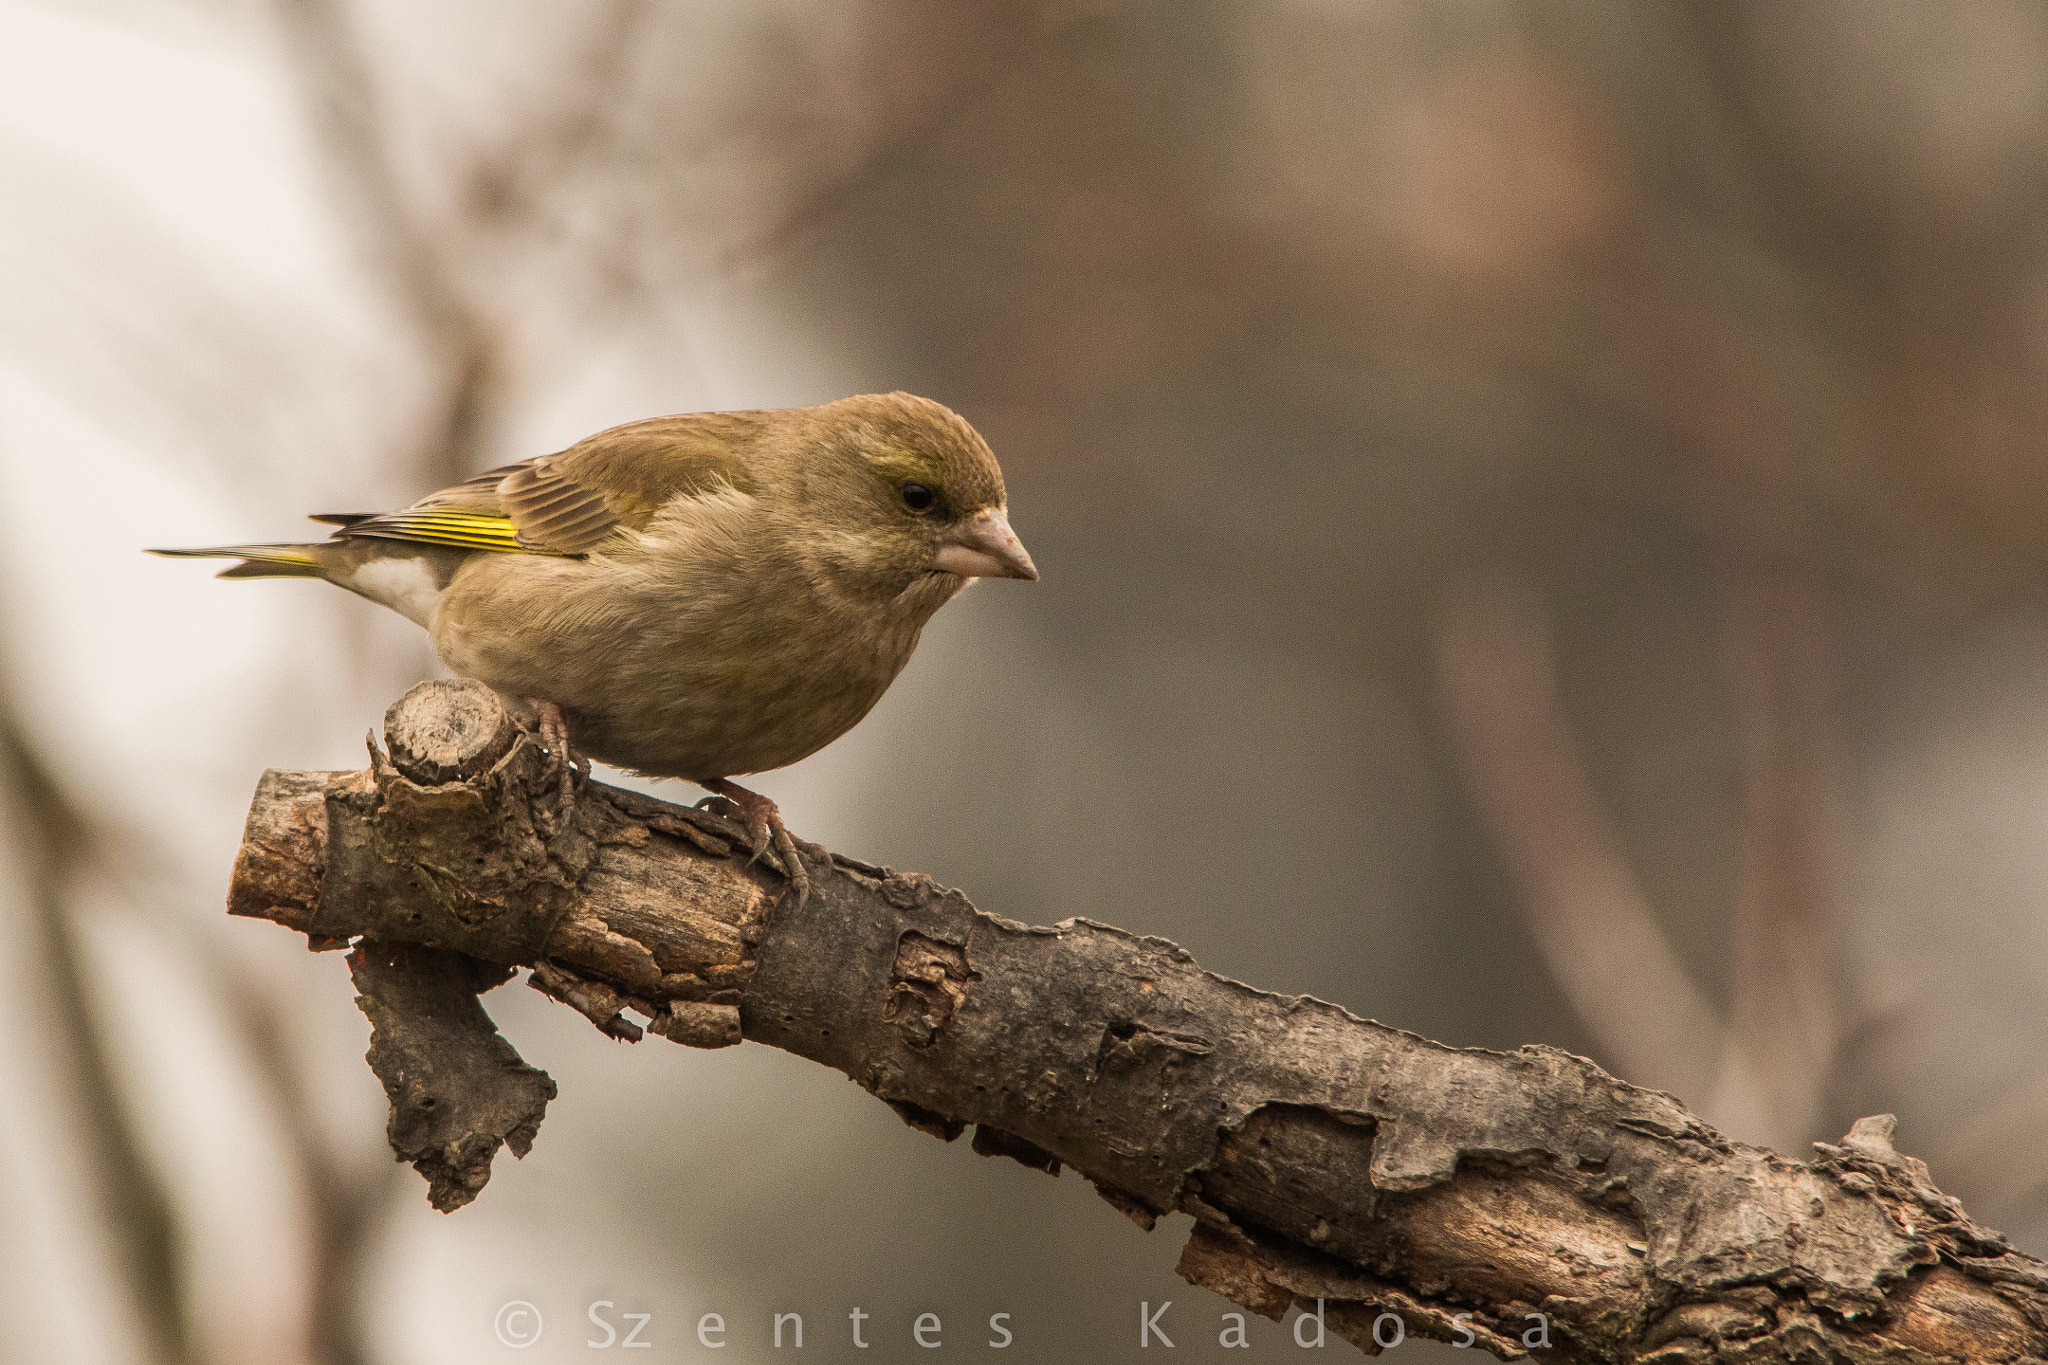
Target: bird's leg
[
  {"x": 554, "y": 737},
  {"x": 765, "y": 827}
]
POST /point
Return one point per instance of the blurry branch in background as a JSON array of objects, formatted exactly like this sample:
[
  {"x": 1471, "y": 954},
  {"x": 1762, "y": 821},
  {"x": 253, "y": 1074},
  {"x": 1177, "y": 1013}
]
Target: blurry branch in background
[
  {"x": 1332, "y": 1164},
  {"x": 345, "y": 1197},
  {"x": 1783, "y": 1015},
  {"x": 467, "y": 233},
  {"x": 418, "y": 259},
  {"x": 1763, "y": 1070},
  {"x": 117, "y": 314},
  {"x": 133, "y": 1204},
  {"x": 1591, "y": 921},
  {"x": 1020, "y": 32}
]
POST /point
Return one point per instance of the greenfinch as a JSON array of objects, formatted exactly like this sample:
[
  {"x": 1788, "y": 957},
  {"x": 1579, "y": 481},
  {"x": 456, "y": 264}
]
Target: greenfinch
[{"x": 699, "y": 596}]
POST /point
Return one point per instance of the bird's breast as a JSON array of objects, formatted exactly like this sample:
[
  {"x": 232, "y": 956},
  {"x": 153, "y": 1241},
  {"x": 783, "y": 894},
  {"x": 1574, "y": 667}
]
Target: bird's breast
[
  {"x": 722, "y": 714},
  {"x": 711, "y": 673}
]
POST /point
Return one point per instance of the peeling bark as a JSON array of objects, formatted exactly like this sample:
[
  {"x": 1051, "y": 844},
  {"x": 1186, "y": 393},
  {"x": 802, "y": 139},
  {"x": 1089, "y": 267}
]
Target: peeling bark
[{"x": 1323, "y": 1156}]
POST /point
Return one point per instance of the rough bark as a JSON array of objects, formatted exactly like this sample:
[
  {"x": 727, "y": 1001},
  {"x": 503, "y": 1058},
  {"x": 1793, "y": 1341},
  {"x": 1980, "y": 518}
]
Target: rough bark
[{"x": 1323, "y": 1156}]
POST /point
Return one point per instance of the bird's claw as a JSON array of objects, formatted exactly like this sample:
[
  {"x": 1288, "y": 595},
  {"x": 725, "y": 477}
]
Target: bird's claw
[
  {"x": 566, "y": 767},
  {"x": 721, "y": 806},
  {"x": 765, "y": 830}
]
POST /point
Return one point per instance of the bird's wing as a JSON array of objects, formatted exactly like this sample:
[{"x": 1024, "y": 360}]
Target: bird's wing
[
  {"x": 467, "y": 516},
  {"x": 569, "y": 502}
]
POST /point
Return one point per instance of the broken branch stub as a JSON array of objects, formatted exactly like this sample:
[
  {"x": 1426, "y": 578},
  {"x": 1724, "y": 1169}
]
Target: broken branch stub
[
  {"x": 458, "y": 1090},
  {"x": 447, "y": 731},
  {"x": 1516, "y": 1201}
]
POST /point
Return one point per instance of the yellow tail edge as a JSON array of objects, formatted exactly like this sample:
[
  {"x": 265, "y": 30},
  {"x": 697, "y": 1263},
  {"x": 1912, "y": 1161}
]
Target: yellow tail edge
[{"x": 258, "y": 561}]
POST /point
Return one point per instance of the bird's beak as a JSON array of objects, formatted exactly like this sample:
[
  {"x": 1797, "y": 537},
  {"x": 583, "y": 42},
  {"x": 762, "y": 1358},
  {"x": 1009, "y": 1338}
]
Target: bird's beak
[{"x": 984, "y": 546}]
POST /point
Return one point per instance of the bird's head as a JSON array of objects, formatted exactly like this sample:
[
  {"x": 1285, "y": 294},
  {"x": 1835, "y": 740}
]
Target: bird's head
[{"x": 912, "y": 495}]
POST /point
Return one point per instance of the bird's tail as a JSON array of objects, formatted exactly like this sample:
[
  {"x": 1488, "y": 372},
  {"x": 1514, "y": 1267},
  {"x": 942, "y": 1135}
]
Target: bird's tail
[{"x": 261, "y": 561}]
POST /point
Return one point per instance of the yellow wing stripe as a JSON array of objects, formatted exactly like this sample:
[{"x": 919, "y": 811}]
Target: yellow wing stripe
[{"x": 465, "y": 530}]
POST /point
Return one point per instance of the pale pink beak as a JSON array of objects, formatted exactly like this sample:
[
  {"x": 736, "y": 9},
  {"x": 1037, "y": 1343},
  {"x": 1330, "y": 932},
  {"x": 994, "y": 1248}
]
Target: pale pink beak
[{"x": 984, "y": 546}]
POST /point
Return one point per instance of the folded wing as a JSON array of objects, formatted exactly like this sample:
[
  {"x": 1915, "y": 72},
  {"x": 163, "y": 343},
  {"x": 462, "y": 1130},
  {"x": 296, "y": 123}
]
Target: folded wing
[{"x": 571, "y": 502}]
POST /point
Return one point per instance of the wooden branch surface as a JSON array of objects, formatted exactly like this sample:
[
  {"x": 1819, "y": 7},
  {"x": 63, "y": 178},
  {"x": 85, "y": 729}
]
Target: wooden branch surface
[{"x": 1323, "y": 1156}]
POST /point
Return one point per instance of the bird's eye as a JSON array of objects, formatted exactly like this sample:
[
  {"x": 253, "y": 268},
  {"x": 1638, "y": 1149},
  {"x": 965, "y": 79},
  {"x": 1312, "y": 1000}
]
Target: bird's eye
[{"x": 917, "y": 497}]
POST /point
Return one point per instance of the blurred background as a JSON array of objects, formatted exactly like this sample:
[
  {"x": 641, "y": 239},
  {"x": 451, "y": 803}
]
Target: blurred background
[{"x": 1541, "y": 508}]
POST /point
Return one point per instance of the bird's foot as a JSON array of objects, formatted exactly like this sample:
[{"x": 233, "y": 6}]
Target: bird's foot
[
  {"x": 554, "y": 737},
  {"x": 765, "y": 830}
]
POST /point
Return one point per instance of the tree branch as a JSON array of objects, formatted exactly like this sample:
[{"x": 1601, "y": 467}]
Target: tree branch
[{"x": 1480, "y": 1197}]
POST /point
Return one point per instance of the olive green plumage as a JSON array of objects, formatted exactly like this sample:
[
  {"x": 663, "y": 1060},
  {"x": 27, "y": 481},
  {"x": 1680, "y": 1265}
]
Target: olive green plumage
[{"x": 703, "y": 596}]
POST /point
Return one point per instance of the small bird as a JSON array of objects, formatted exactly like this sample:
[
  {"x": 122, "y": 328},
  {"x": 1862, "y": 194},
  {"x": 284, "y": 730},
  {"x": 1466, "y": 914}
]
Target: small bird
[{"x": 700, "y": 596}]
